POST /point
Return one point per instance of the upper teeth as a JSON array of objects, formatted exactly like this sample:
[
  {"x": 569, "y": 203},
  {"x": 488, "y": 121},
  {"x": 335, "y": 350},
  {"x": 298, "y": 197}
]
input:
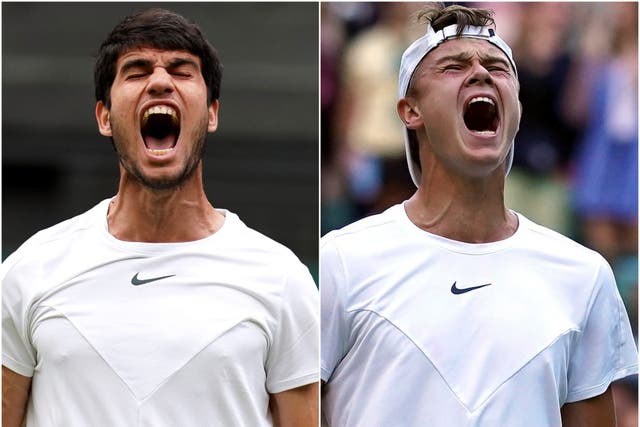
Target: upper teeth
[
  {"x": 160, "y": 109},
  {"x": 481, "y": 99}
]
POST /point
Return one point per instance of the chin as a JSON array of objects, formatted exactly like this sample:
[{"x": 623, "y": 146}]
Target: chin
[
  {"x": 481, "y": 166},
  {"x": 161, "y": 181}
]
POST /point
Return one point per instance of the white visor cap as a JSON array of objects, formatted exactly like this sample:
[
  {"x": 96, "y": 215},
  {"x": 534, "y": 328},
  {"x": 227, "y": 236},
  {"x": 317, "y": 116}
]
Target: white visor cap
[{"x": 419, "y": 49}]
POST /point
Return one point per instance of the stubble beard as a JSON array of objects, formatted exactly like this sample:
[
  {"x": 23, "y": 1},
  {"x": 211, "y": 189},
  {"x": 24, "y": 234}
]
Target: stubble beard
[{"x": 133, "y": 169}]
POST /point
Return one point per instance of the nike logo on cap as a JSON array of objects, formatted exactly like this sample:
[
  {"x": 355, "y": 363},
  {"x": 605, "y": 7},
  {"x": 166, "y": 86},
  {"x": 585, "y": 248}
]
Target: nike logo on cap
[
  {"x": 457, "y": 291},
  {"x": 136, "y": 282}
]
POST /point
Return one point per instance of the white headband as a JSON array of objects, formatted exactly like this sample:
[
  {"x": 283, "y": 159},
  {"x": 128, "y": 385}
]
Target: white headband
[{"x": 419, "y": 49}]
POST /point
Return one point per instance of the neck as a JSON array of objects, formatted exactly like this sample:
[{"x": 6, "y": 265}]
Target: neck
[
  {"x": 181, "y": 214},
  {"x": 466, "y": 210}
]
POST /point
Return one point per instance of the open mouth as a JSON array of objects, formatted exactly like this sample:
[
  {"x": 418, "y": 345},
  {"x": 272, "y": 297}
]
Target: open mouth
[
  {"x": 160, "y": 128},
  {"x": 481, "y": 115}
]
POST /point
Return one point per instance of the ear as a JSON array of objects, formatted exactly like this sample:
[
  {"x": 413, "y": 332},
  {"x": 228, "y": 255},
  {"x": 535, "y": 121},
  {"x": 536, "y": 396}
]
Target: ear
[
  {"x": 409, "y": 113},
  {"x": 213, "y": 116},
  {"x": 520, "y": 105},
  {"x": 102, "y": 117}
]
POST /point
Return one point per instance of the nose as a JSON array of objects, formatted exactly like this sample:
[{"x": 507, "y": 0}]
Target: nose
[
  {"x": 160, "y": 82},
  {"x": 479, "y": 75}
]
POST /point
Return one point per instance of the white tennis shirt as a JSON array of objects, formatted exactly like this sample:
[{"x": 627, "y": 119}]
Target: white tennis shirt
[
  {"x": 156, "y": 334},
  {"x": 420, "y": 330}
]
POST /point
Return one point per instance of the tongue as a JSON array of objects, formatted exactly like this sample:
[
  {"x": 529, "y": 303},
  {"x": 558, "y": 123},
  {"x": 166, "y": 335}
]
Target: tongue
[{"x": 160, "y": 143}]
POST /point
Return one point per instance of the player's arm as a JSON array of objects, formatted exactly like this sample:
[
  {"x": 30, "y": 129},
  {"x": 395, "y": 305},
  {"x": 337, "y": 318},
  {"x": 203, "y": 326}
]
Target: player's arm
[
  {"x": 15, "y": 395},
  {"x": 595, "y": 412},
  {"x": 297, "y": 407}
]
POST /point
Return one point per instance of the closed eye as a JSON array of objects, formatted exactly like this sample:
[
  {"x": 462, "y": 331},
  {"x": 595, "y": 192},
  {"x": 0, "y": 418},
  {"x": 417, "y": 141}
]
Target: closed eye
[
  {"x": 135, "y": 76},
  {"x": 453, "y": 67},
  {"x": 499, "y": 66},
  {"x": 500, "y": 70}
]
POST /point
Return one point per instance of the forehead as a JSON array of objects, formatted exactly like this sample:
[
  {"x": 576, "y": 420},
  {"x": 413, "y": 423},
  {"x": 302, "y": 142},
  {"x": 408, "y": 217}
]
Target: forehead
[
  {"x": 466, "y": 47},
  {"x": 157, "y": 57}
]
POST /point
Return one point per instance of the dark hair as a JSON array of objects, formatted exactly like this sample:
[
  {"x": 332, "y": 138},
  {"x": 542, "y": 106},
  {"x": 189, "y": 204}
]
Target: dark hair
[
  {"x": 159, "y": 29},
  {"x": 439, "y": 16}
]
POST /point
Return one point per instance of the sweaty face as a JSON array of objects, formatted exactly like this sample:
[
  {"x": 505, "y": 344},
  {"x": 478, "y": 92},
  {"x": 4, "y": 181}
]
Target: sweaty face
[
  {"x": 466, "y": 97},
  {"x": 159, "y": 116}
]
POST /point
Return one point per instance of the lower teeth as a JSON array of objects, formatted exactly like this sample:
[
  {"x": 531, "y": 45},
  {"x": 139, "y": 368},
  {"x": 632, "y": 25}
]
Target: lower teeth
[{"x": 159, "y": 152}]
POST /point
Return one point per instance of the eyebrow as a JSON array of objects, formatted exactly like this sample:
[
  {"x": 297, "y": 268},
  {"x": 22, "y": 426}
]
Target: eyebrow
[
  {"x": 466, "y": 57},
  {"x": 135, "y": 63},
  {"x": 458, "y": 57},
  {"x": 178, "y": 62},
  {"x": 146, "y": 63}
]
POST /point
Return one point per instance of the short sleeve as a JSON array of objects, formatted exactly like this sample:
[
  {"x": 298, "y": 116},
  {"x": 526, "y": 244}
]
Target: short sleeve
[
  {"x": 293, "y": 356},
  {"x": 335, "y": 331},
  {"x": 18, "y": 353},
  {"x": 605, "y": 350}
]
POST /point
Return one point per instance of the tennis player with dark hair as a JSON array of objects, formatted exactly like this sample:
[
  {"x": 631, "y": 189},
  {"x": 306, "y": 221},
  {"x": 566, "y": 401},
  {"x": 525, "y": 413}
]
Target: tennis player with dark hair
[
  {"x": 450, "y": 309},
  {"x": 153, "y": 308}
]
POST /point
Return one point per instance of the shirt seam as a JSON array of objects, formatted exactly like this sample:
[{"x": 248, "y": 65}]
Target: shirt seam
[
  {"x": 498, "y": 387},
  {"x": 291, "y": 383},
  {"x": 23, "y": 368},
  {"x": 94, "y": 349},
  {"x": 612, "y": 375}
]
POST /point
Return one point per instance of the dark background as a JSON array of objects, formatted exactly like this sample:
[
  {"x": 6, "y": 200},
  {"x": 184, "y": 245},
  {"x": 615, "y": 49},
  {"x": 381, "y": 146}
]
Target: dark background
[{"x": 262, "y": 163}]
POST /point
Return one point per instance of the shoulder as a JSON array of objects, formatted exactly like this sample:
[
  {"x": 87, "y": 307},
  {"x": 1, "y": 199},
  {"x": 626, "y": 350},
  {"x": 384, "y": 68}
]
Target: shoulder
[
  {"x": 354, "y": 251},
  {"x": 38, "y": 247},
  {"x": 27, "y": 269},
  {"x": 359, "y": 236},
  {"x": 556, "y": 248},
  {"x": 259, "y": 250},
  {"x": 539, "y": 235},
  {"x": 249, "y": 240},
  {"x": 275, "y": 272}
]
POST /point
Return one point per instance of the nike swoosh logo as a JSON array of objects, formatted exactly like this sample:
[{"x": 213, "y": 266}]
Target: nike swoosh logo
[
  {"x": 136, "y": 282},
  {"x": 457, "y": 291}
]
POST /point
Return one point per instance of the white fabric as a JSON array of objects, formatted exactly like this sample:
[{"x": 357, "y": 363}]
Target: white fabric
[
  {"x": 237, "y": 320},
  {"x": 418, "y": 50},
  {"x": 400, "y": 348}
]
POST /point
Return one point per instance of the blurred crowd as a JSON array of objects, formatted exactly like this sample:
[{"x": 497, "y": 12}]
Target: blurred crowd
[{"x": 576, "y": 154}]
